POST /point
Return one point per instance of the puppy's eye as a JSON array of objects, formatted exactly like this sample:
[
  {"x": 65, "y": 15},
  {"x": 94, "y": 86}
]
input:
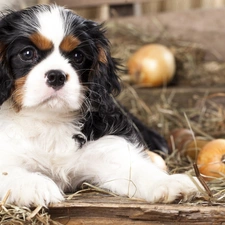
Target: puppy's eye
[
  {"x": 28, "y": 54},
  {"x": 78, "y": 57}
]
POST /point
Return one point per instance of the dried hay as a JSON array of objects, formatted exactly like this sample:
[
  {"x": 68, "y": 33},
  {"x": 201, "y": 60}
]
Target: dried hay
[
  {"x": 15, "y": 215},
  {"x": 164, "y": 116}
]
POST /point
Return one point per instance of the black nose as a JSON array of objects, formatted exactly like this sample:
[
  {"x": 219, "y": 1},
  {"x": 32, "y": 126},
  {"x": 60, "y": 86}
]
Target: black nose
[{"x": 56, "y": 78}]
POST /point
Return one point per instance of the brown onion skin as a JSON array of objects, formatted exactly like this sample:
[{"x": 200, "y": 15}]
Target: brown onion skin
[
  {"x": 211, "y": 159},
  {"x": 152, "y": 65},
  {"x": 185, "y": 141}
]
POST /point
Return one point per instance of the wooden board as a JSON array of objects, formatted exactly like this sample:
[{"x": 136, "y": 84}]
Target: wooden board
[
  {"x": 202, "y": 26},
  {"x": 95, "y": 208},
  {"x": 91, "y": 3},
  {"x": 184, "y": 97}
]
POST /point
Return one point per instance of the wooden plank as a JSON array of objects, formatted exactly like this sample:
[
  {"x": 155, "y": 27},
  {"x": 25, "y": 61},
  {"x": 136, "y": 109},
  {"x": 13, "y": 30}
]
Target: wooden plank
[
  {"x": 102, "y": 221},
  {"x": 43, "y": 1},
  {"x": 177, "y": 5},
  {"x": 190, "y": 27},
  {"x": 104, "y": 12},
  {"x": 91, "y": 3},
  {"x": 211, "y": 4},
  {"x": 95, "y": 208},
  {"x": 137, "y": 9},
  {"x": 152, "y": 6},
  {"x": 185, "y": 97}
]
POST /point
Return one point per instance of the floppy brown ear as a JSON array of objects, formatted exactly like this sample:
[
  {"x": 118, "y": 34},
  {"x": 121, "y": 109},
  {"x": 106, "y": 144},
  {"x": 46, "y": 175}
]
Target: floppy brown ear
[
  {"x": 104, "y": 69},
  {"x": 106, "y": 72}
]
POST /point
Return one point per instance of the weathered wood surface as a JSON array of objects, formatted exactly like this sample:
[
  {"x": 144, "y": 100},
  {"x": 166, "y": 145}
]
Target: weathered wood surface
[
  {"x": 90, "y": 3},
  {"x": 184, "y": 97},
  {"x": 200, "y": 26},
  {"x": 104, "y": 209}
]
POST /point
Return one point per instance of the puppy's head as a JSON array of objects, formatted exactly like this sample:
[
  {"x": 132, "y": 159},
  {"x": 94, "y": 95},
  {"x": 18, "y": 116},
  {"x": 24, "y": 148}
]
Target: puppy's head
[{"x": 51, "y": 58}]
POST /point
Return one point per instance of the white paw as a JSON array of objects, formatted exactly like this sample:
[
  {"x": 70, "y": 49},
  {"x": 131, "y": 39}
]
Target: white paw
[
  {"x": 173, "y": 187},
  {"x": 34, "y": 189}
]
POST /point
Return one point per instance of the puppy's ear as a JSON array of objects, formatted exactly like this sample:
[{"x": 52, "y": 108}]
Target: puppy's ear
[
  {"x": 6, "y": 81},
  {"x": 6, "y": 84},
  {"x": 105, "y": 67}
]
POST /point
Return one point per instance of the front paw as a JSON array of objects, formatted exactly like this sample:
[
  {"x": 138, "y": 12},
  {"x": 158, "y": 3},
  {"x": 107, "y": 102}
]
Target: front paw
[
  {"x": 174, "y": 187},
  {"x": 33, "y": 190}
]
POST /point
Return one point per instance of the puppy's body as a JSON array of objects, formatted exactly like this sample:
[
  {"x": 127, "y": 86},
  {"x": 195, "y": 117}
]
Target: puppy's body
[{"x": 59, "y": 124}]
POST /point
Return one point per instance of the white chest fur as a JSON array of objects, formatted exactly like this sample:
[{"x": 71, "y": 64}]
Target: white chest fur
[{"x": 41, "y": 142}]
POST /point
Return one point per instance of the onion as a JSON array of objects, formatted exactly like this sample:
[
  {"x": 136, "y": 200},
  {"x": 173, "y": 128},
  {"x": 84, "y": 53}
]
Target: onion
[
  {"x": 193, "y": 147},
  {"x": 178, "y": 137},
  {"x": 152, "y": 65},
  {"x": 186, "y": 143},
  {"x": 211, "y": 159}
]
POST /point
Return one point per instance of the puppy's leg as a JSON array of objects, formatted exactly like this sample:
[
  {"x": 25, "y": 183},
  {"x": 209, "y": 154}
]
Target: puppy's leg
[
  {"x": 26, "y": 188},
  {"x": 115, "y": 164}
]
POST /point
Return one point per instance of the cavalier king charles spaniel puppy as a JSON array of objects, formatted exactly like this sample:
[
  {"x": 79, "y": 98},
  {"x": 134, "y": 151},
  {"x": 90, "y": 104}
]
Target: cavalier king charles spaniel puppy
[{"x": 60, "y": 125}]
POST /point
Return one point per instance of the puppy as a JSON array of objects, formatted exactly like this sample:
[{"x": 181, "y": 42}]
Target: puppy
[{"x": 60, "y": 125}]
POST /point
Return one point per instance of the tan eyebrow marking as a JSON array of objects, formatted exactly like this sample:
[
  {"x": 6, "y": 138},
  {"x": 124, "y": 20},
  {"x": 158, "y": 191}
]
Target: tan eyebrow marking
[
  {"x": 69, "y": 43},
  {"x": 41, "y": 42}
]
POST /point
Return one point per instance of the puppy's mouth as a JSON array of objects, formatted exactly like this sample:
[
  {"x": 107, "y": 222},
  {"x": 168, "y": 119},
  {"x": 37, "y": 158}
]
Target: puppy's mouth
[
  {"x": 55, "y": 81},
  {"x": 54, "y": 101},
  {"x": 61, "y": 99}
]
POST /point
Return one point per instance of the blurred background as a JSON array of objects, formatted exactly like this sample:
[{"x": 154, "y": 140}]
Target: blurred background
[{"x": 105, "y": 9}]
